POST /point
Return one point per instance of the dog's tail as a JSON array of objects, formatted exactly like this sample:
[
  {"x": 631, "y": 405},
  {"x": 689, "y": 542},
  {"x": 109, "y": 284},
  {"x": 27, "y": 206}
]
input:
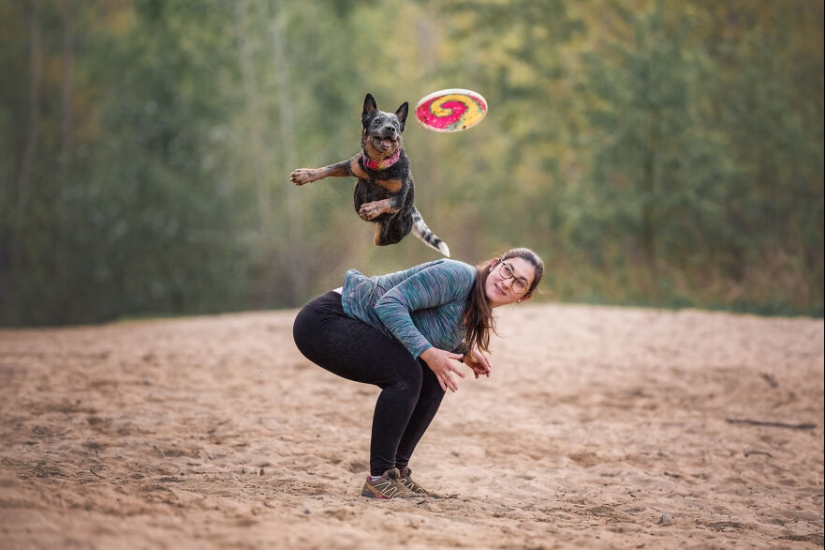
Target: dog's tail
[{"x": 423, "y": 232}]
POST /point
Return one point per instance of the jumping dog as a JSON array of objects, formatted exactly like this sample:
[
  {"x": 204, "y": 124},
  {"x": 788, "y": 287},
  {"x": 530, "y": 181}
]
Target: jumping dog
[{"x": 384, "y": 191}]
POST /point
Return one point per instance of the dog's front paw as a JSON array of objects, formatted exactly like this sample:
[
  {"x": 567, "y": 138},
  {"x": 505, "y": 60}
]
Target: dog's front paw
[
  {"x": 302, "y": 176},
  {"x": 371, "y": 210}
]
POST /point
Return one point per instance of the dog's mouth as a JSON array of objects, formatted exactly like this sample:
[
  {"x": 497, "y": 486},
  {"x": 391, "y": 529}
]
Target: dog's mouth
[{"x": 384, "y": 144}]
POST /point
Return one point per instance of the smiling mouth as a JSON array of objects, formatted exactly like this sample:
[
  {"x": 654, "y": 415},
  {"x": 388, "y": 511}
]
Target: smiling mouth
[{"x": 384, "y": 144}]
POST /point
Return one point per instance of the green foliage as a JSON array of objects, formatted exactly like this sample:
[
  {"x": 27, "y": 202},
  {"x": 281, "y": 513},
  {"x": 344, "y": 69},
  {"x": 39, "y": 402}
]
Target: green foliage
[{"x": 654, "y": 153}]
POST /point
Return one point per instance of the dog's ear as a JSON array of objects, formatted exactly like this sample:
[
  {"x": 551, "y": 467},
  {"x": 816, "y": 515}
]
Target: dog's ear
[
  {"x": 401, "y": 113},
  {"x": 369, "y": 107}
]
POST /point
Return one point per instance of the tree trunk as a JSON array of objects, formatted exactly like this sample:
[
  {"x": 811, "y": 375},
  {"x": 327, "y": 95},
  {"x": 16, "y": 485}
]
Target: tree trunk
[
  {"x": 61, "y": 208},
  {"x": 256, "y": 120},
  {"x": 30, "y": 150},
  {"x": 66, "y": 91},
  {"x": 292, "y": 205},
  {"x": 649, "y": 198}
]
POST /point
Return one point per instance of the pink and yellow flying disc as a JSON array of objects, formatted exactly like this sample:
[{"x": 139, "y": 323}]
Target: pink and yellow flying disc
[{"x": 451, "y": 110}]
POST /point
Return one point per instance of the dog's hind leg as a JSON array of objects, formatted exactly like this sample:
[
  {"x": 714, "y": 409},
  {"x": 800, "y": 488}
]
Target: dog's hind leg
[
  {"x": 376, "y": 238},
  {"x": 391, "y": 230},
  {"x": 423, "y": 232}
]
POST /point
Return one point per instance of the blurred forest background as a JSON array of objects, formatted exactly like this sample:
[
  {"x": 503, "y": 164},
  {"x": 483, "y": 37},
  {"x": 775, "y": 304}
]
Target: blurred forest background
[{"x": 655, "y": 153}]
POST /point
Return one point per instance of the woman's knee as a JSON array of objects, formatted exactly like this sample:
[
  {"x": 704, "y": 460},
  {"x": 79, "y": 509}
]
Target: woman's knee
[{"x": 408, "y": 374}]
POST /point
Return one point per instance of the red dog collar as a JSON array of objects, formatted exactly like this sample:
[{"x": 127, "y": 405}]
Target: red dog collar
[{"x": 382, "y": 164}]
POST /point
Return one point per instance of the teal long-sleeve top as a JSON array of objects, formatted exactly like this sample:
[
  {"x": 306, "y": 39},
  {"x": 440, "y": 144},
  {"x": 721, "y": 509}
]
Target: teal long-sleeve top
[{"x": 421, "y": 307}]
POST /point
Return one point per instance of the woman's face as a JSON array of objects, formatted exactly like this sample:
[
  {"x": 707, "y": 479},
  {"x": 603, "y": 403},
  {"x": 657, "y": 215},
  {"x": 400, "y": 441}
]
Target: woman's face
[{"x": 508, "y": 281}]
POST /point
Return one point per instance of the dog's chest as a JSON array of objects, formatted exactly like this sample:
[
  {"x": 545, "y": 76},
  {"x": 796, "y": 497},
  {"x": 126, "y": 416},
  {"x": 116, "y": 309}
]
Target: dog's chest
[
  {"x": 368, "y": 190},
  {"x": 380, "y": 184}
]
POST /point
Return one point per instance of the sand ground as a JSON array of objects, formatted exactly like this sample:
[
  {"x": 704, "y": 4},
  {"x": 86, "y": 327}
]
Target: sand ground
[{"x": 600, "y": 428}]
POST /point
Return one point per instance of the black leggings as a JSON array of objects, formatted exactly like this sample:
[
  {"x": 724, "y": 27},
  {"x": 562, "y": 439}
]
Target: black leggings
[{"x": 410, "y": 392}]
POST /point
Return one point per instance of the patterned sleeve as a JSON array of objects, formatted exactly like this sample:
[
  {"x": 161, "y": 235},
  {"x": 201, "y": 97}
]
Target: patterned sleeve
[{"x": 436, "y": 285}]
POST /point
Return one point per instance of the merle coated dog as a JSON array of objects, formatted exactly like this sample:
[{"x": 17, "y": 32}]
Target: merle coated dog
[{"x": 385, "y": 192}]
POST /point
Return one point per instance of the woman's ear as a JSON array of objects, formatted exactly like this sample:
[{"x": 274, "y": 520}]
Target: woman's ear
[
  {"x": 494, "y": 262},
  {"x": 526, "y": 297}
]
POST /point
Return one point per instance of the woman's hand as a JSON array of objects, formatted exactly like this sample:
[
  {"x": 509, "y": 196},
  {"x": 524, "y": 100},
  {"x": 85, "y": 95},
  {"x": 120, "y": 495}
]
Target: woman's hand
[
  {"x": 444, "y": 364},
  {"x": 479, "y": 363}
]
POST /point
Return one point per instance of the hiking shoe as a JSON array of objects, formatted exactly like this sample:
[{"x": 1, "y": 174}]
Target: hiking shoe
[
  {"x": 387, "y": 486},
  {"x": 410, "y": 484}
]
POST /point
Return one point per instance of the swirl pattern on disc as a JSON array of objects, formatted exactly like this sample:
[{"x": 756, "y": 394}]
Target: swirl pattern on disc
[{"x": 451, "y": 110}]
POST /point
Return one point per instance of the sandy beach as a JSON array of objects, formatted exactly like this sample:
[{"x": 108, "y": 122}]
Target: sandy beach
[{"x": 600, "y": 428}]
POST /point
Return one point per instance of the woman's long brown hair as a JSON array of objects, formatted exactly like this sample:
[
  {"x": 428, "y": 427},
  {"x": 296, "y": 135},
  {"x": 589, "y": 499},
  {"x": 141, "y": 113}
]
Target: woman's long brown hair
[{"x": 478, "y": 317}]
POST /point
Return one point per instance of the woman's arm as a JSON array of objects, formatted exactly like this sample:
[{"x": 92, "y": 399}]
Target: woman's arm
[
  {"x": 479, "y": 363},
  {"x": 443, "y": 364},
  {"x": 436, "y": 285}
]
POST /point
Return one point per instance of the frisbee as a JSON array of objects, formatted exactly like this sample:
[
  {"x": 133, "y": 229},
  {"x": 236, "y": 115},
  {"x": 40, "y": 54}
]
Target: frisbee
[{"x": 451, "y": 110}]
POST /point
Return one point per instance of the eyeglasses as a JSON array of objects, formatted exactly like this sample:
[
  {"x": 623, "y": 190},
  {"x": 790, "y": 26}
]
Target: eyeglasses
[{"x": 506, "y": 271}]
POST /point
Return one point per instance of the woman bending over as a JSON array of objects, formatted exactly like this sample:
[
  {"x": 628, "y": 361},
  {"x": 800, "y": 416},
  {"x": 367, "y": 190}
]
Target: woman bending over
[{"x": 408, "y": 333}]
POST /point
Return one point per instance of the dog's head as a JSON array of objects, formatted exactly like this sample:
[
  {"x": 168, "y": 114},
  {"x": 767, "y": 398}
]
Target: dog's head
[{"x": 382, "y": 131}]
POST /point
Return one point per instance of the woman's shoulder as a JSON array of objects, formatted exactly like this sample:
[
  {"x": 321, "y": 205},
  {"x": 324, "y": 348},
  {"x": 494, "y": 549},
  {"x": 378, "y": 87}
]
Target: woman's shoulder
[
  {"x": 458, "y": 266},
  {"x": 452, "y": 270},
  {"x": 456, "y": 270}
]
